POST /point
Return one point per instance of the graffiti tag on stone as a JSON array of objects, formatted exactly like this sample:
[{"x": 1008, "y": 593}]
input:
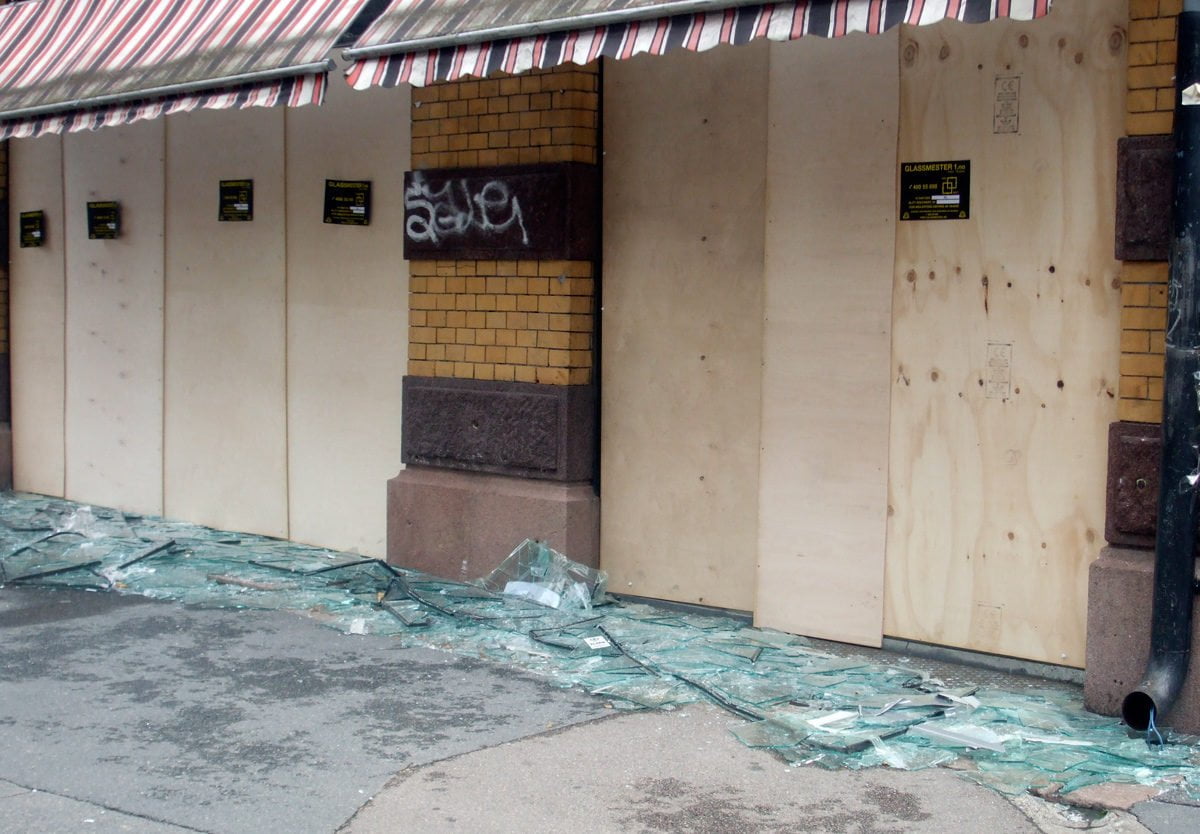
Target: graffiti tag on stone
[{"x": 456, "y": 209}]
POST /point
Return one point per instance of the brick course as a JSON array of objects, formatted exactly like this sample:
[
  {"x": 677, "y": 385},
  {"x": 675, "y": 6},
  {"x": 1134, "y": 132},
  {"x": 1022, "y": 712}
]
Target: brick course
[
  {"x": 542, "y": 116},
  {"x": 514, "y": 321}
]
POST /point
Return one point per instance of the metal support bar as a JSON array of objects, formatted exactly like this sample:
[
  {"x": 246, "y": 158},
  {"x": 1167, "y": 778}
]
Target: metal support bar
[
  {"x": 167, "y": 90},
  {"x": 541, "y": 27}
]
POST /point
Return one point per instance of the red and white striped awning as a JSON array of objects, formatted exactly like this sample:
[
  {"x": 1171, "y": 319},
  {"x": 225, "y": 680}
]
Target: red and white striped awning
[
  {"x": 81, "y": 64},
  {"x": 422, "y": 41}
]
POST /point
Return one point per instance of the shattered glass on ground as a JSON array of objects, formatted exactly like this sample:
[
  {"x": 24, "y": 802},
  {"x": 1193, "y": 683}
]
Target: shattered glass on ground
[{"x": 809, "y": 706}]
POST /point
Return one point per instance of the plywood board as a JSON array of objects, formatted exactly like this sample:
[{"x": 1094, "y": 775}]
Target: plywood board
[
  {"x": 1005, "y": 360},
  {"x": 37, "y": 316},
  {"x": 827, "y": 337},
  {"x": 225, "y": 400},
  {"x": 684, "y": 177},
  {"x": 115, "y": 319},
  {"x": 347, "y": 319}
]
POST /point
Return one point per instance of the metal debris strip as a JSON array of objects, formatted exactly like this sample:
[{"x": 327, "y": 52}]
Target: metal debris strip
[{"x": 809, "y": 706}]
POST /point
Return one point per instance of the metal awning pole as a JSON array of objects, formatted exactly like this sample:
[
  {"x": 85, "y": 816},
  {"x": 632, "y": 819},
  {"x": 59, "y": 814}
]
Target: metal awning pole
[
  {"x": 542, "y": 27},
  {"x": 1175, "y": 546},
  {"x": 167, "y": 90}
]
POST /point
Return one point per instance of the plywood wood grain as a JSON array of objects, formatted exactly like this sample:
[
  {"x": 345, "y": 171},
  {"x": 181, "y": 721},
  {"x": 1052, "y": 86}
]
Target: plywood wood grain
[
  {"x": 998, "y": 464},
  {"x": 37, "y": 315},
  {"x": 225, "y": 399},
  {"x": 347, "y": 318},
  {"x": 114, "y": 321},
  {"x": 827, "y": 337},
  {"x": 685, "y": 166}
]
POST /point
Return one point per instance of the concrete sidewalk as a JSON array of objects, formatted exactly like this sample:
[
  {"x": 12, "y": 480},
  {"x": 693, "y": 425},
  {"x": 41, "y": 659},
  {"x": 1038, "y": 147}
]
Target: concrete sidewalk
[{"x": 127, "y": 715}]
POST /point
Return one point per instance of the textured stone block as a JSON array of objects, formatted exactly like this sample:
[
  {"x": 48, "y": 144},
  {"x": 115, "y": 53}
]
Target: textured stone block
[
  {"x": 1144, "y": 172},
  {"x": 1134, "y": 461},
  {"x": 508, "y": 428}
]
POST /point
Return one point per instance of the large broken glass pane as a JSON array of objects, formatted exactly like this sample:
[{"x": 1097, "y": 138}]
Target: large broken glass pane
[
  {"x": 808, "y": 705},
  {"x": 539, "y": 573}
]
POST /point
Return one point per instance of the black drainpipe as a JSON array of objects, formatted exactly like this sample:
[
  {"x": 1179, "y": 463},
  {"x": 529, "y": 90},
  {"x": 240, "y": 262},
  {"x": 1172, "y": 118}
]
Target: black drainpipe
[{"x": 1175, "y": 546}]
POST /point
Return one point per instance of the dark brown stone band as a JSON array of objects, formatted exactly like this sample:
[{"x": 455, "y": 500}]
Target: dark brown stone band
[
  {"x": 521, "y": 429},
  {"x": 1144, "y": 173},
  {"x": 1134, "y": 460}
]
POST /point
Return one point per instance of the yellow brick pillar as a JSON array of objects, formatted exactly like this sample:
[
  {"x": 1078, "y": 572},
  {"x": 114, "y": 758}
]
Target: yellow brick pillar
[
  {"x": 510, "y": 320},
  {"x": 1149, "y": 108},
  {"x": 500, "y": 399}
]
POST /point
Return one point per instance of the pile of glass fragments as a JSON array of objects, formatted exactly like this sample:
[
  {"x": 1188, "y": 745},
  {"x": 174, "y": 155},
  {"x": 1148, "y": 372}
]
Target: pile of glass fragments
[{"x": 551, "y": 616}]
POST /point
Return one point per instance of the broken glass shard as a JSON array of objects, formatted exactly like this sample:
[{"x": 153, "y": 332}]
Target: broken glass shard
[{"x": 539, "y": 573}]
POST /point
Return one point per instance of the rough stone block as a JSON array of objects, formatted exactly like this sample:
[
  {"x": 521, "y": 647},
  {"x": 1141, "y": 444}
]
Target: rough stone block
[
  {"x": 460, "y": 525},
  {"x": 1134, "y": 462},
  {"x": 1120, "y": 591}
]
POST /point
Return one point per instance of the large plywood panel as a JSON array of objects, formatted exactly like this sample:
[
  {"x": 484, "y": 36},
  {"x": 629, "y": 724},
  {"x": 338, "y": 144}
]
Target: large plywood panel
[
  {"x": 685, "y": 162},
  {"x": 225, "y": 401},
  {"x": 347, "y": 319},
  {"x": 115, "y": 319},
  {"x": 830, "y": 249},
  {"x": 37, "y": 316},
  {"x": 1005, "y": 362}
]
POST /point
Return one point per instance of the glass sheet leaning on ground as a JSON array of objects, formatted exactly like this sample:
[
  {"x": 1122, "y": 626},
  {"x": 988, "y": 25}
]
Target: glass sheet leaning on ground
[{"x": 809, "y": 706}]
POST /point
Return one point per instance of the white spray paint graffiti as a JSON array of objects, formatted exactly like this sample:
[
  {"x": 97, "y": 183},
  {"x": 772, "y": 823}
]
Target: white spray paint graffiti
[{"x": 453, "y": 210}]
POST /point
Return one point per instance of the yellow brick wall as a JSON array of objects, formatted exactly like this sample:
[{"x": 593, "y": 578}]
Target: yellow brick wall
[
  {"x": 522, "y": 321},
  {"x": 1143, "y": 319},
  {"x": 542, "y": 116},
  {"x": 1150, "y": 104},
  {"x": 513, "y": 321}
]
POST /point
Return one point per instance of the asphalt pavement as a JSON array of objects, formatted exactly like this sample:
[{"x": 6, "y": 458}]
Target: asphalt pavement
[{"x": 122, "y": 714}]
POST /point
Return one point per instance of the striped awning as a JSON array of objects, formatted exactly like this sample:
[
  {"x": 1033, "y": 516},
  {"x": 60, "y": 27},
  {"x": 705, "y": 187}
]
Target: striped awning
[
  {"x": 422, "y": 41},
  {"x": 68, "y": 65}
]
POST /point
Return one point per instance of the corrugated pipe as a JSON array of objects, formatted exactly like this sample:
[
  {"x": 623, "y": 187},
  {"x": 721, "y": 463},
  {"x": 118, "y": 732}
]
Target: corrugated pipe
[{"x": 1175, "y": 546}]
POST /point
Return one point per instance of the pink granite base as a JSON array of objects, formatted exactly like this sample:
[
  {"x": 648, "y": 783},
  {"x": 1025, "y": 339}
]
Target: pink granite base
[
  {"x": 1120, "y": 590},
  {"x": 460, "y": 525}
]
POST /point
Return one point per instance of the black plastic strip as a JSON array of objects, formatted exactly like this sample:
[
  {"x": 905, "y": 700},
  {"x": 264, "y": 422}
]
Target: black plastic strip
[
  {"x": 88, "y": 566},
  {"x": 147, "y": 553}
]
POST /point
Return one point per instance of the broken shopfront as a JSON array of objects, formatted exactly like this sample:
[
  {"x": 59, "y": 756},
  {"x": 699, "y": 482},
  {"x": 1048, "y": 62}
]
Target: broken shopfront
[{"x": 806, "y": 406}]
